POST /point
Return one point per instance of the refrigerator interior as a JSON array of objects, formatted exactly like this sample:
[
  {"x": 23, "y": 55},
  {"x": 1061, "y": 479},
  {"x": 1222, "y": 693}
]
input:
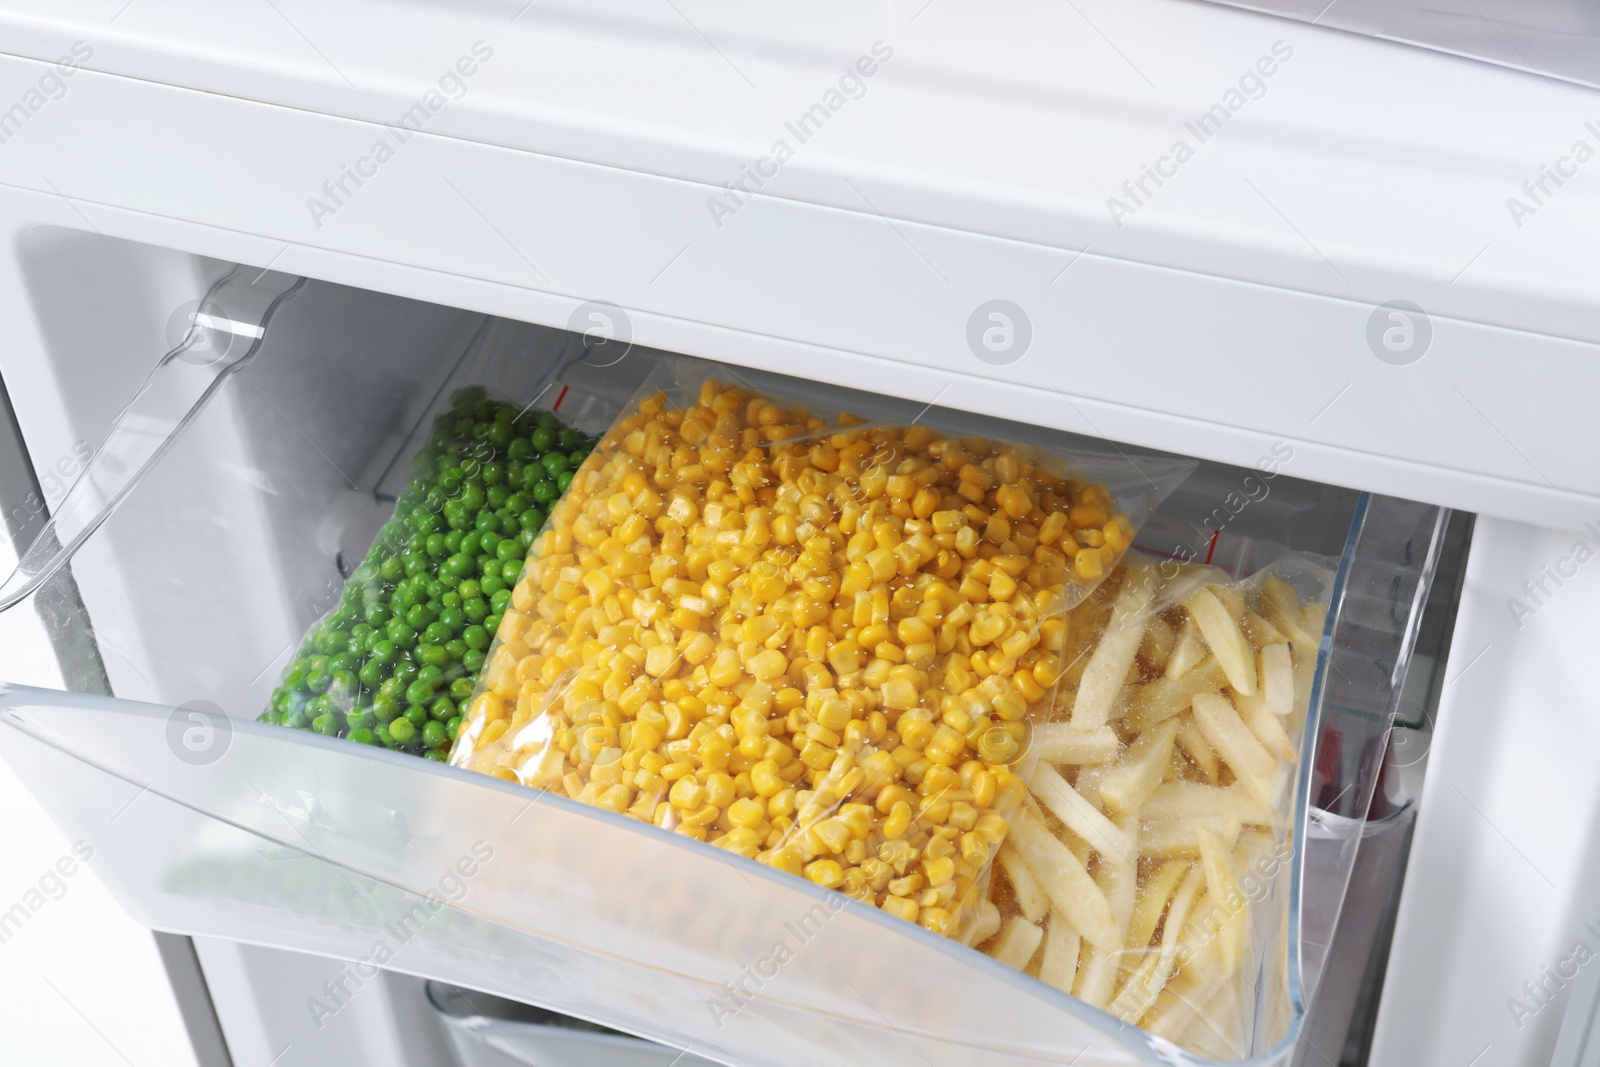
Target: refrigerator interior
[{"x": 193, "y": 600}]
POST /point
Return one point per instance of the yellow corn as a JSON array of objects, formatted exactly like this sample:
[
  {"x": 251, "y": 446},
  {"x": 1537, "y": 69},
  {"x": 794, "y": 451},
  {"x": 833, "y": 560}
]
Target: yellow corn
[{"x": 788, "y": 650}]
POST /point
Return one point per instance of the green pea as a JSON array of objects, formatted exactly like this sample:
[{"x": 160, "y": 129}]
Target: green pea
[
  {"x": 518, "y": 502},
  {"x": 416, "y": 715},
  {"x": 508, "y": 551},
  {"x": 414, "y": 564},
  {"x": 327, "y": 725},
  {"x": 430, "y": 674},
  {"x": 318, "y": 679},
  {"x": 402, "y": 633},
  {"x": 543, "y": 439},
  {"x": 564, "y": 481},
  {"x": 436, "y": 545},
  {"x": 497, "y": 496},
  {"x": 511, "y": 570},
  {"x": 362, "y": 736},
  {"x": 531, "y": 520},
  {"x": 434, "y": 735},
  {"x": 371, "y": 674},
  {"x": 487, "y": 520},
  {"x": 476, "y": 609},
  {"x": 472, "y": 497},
  {"x": 437, "y": 633},
  {"x": 298, "y": 719},
  {"x": 457, "y": 515},
  {"x": 577, "y": 456},
  {"x": 295, "y": 679},
  {"x": 461, "y": 689},
  {"x": 360, "y": 718},
  {"x": 493, "y": 583},
  {"x": 406, "y": 671},
  {"x": 377, "y": 616},
  {"x": 453, "y": 727},
  {"x": 500, "y": 433},
  {"x": 476, "y": 637},
  {"x": 433, "y": 655},
  {"x": 402, "y": 731},
  {"x": 472, "y": 661},
  {"x": 452, "y": 619},
  {"x": 442, "y": 709},
  {"x": 556, "y": 463},
  {"x": 519, "y": 449},
  {"x": 546, "y": 491},
  {"x": 418, "y": 616},
  {"x": 385, "y": 707},
  {"x": 418, "y": 692},
  {"x": 492, "y": 623},
  {"x": 458, "y": 566},
  {"x": 383, "y": 651},
  {"x": 469, "y": 591},
  {"x": 457, "y": 648},
  {"x": 344, "y": 661},
  {"x": 437, "y": 755},
  {"x": 452, "y": 541},
  {"x": 494, "y": 473}
]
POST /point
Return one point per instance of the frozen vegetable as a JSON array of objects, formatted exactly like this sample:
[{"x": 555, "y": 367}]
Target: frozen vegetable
[
  {"x": 816, "y": 644},
  {"x": 395, "y": 662},
  {"x": 1139, "y": 870}
]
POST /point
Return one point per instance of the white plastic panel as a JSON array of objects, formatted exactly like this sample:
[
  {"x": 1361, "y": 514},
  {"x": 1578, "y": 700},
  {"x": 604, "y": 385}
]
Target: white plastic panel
[
  {"x": 1505, "y": 866},
  {"x": 1150, "y": 355}
]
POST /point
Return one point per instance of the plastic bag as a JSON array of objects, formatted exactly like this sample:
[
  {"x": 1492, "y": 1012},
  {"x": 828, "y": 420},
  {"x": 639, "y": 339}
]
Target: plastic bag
[
  {"x": 1143, "y": 872},
  {"x": 392, "y": 664},
  {"x": 807, "y": 638}
]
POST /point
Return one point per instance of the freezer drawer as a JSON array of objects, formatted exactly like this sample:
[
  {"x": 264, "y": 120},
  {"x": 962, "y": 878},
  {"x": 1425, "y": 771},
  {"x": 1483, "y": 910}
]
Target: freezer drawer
[{"x": 221, "y": 517}]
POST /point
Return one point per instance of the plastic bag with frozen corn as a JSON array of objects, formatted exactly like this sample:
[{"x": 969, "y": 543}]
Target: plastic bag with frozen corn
[
  {"x": 1142, "y": 872},
  {"x": 814, "y": 639}
]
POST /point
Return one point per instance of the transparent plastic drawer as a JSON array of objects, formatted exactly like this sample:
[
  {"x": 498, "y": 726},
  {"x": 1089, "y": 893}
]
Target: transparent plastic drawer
[{"x": 219, "y": 520}]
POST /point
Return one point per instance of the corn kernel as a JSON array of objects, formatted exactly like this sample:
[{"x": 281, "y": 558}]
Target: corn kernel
[{"x": 826, "y": 873}]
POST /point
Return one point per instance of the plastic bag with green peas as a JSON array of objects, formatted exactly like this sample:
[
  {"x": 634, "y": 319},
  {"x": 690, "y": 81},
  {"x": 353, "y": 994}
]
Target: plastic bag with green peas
[{"x": 392, "y": 664}]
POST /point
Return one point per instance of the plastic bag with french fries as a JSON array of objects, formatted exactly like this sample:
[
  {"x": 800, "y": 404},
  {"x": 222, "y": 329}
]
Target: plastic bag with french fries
[{"x": 1143, "y": 871}]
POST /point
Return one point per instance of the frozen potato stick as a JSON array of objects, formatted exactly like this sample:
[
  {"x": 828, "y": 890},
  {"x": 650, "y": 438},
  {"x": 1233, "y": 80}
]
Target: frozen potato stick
[
  {"x": 1194, "y": 742},
  {"x": 1152, "y": 901},
  {"x": 1118, "y": 879},
  {"x": 1262, "y": 634},
  {"x": 1180, "y": 837},
  {"x": 1108, "y": 667},
  {"x": 1032, "y": 900},
  {"x": 1224, "y": 638},
  {"x": 1165, "y": 697},
  {"x": 1139, "y": 993},
  {"x": 1222, "y": 888},
  {"x": 1019, "y": 940},
  {"x": 1126, "y": 786},
  {"x": 1227, "y": 733},
  {"x": 1189, "y": 650},
  {"x": 1078, "y": 815},
  {"x": 1180, "y": 800},
  {"x": 1064, "y": 878},
  {"x": 1061, "y": 742},
  {"x": 1267, "y": 727},
  {"x": 1281, "y": 606},
  {"x": 1277, "y": 680},
  {"x": 1061, "y": 945},
  {"x": 986, "y": 925},
  {"x": 1156, "y": 648}
]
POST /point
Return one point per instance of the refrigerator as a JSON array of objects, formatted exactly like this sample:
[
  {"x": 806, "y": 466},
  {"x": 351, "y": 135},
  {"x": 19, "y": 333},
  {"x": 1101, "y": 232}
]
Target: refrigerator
[{"x": 1338, "y": 261}]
